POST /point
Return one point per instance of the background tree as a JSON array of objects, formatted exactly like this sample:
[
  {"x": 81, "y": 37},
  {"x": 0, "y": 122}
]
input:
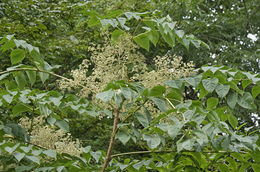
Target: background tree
[{"x": 205, "y": 119}]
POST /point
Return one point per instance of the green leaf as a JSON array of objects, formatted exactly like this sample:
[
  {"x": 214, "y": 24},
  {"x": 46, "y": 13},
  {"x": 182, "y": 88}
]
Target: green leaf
[
  {"x": 93, "y": 21},
  {"x": 25, "y": 45},
  {"x": 255, "y": 91},
  {"x": 196, "y": 43},
  {"x": 179, "y": 33},
  {"x": 19, "y": 156},
  {"x": 232, "y": 100},
  {"x": 36, "y": 152},
  {"x": 63, "y": 125},
  {"x": 193, "y": 81},
  {"x": 246, "y": 101},
  {"x": 256, "y": 167},
  {"x": 222, "y": 113},
  {"x": 223, "y": 168},
  {"x": 212, "y": 103},
  {"x": 234, "y": 86},
  {"x": 174, "y": 83},
  {"x": 118, "y": 99},
  {"x": 232, "y": 120},
  {"x": 253, "y": 77},
  {"x": 86, "y": 149},
  {"x": 8, "y": 45},
  {"x": 157, "y": 91},
  {"x": 8, "y": 98},
  {"x": 245, "y": 83},
  {"x": 17, "y": 131},
  {"x": 4, "y": 76},
  {"x": 33, "y": 159},
  {"x": 17, "y": 56},
  {"x": 43, "y": 76},
  {"x": 45, "y": 110},
  {"x": 122, "y": 22},
  {"x": 232, "y": 163},
  {"x": 202, "y": 91},
  {"x": 161, "y": 104},
  {"x": 172, "y": 130},
  {"x": 131, "y": 15},
  {"x": 256, "y": 155},
  {"x": 107, "y": 22},
  {"x": 205, "y": 45},
  {"x": 11, "y": 149},
  {"x": 36, "y": 58},
  {"x": 186, "y": 43},
  {"x": 26, "y": 148},
  {"x": 128, "y": 93},
  {"x": 188, "y": 114},
  {"x": 168, "y": 38},
  {"x": 20, "y": 79},
  {"x": 96, "y": 155},
  {"x": 116, "y": 34},
  {"x": 20, "y": 108},
  {"x": 60, "y": 168},
  {"x": 222, "y": 90},
  {"x": 143, "y": 40},
  {"x": 144, "y": 119},
  {"x": 50, "y": 153},
  {"x": 105, "y": 96},
  {"x": 44, "y": 169},
  {"x": 153, "y": 36},
  {"x": 210, "y": 84},
  {"x": 123, "y": 136},
  {"x": 23, "y": 168},
  {"x": 51, "y": 120},
  {"x": 184, "y": 145},
  {"x": 56, "y": 100},
  {"x": 175, "y": 96},
  {"x": 153, "y": 141},
  {"x": 32, "y": 76}
]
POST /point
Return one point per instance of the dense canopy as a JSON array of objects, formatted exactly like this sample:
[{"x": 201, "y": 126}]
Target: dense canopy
[{"x": 129, "y": 85}]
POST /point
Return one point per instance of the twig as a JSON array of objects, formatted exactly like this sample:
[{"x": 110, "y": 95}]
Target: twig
[
  {"x": 137, "y": 26},
  {"x": 133, "y": 112},
  {"x": 167, "y": 151},
  {"x": 38, "y": 70},
  {"x": 247, "y": 16},
  {"x": 112, "y": 141},
  {"x": 23, "y": 141},
  {"x": 170, "y": 103}
]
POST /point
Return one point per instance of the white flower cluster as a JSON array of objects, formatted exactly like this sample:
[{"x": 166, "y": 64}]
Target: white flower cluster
[
  {"x": 50, "y": 138},
  {"x": 166, "y": 68},
  {"x": 123, "y": 62}
]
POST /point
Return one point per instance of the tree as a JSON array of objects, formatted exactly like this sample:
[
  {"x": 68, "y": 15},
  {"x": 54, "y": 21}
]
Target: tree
[{"x": 157, "y": 114}]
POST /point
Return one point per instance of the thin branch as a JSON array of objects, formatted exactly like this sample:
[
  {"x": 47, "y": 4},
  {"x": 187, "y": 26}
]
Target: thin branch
[
  {"x": 137, "y": 26},
  {"x": 170, "y": 103},
  {"x": 112, "y": 141},
  {"x": 23, "y": 141},
  {"x": 133, "y": 112},
  {"x": 247, "y": 16},
  {"x": 168, "y": 151},
  {"x": 38, "y": 70}
]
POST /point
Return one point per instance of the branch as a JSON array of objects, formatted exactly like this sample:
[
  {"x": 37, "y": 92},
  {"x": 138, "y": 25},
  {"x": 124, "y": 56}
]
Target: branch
[
  {"x": 23, "y": 141},
  {"x": 247, "y": 16},
  {"x": 137, "y": 26},
  {"x": 112, "y": 141},
  {"x": 168, "y": 151},
  {"x": 38, "y": 70},
  {"x": 133, "y": 112}
]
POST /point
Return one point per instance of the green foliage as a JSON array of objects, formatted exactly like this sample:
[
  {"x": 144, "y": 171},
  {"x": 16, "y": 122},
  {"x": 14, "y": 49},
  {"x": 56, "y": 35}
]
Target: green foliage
[
  {"x": 153, "y": 27},
  {"x": 207, "y": 121}
]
